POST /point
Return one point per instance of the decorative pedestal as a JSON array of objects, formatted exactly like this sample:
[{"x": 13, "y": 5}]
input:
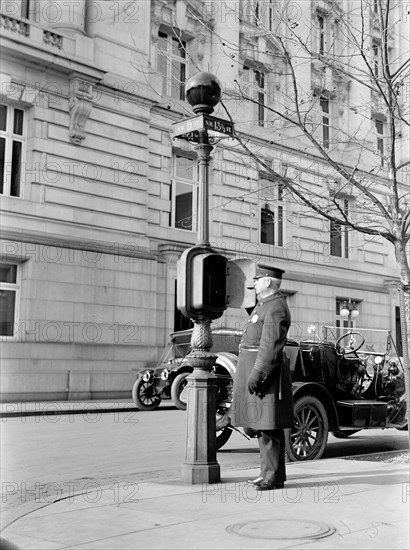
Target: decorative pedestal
[{"x": 200, "y": 465}]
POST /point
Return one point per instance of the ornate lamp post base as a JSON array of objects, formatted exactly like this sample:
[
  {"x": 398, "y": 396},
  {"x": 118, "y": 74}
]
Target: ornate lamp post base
[{"x": 200, "y": 465}]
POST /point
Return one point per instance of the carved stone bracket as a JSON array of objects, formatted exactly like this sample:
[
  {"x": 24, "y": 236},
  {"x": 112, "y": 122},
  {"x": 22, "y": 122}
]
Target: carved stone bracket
[
  {"x": 157, "y": 12},
  {"x": 201, "y": 44},
  {"x": 246, "y": 51},
  {"x": 171, "y": 252},
  {"x": 81, "y": 103},
  {"x": 180, "y": 14}
]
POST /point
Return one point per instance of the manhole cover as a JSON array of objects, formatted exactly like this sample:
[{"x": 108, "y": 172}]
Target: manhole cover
[{"x": 283, "y": 529}]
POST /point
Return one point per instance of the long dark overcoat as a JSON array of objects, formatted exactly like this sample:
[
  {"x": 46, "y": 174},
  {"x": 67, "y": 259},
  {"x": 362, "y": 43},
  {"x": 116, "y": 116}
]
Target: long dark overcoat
[{"x": 261, "y": 351}]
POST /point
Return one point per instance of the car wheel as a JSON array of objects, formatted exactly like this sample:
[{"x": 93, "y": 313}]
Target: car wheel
[
  {"x": 344, "y": 434},
  {"x": 308, "y": 438},
  {"x": 178, "y": 385},
  {"x": 144, "y": 395}
]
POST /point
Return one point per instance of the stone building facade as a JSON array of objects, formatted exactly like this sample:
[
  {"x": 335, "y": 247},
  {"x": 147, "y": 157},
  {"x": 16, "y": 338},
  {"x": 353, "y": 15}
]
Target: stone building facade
[{"x": 98, "y": 201}]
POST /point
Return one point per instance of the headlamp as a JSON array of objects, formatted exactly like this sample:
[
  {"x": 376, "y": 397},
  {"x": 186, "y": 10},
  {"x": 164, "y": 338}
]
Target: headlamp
[
  {"x": 147, "y": 375},
  {"x": 165, "y": 374}
]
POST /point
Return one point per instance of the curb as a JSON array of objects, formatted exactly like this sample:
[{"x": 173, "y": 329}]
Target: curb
[{"x": 17, "y": 410}]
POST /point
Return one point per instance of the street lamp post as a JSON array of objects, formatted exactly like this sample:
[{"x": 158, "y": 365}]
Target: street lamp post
[
  {"x": 349, "y": 311},
  {"x": 203, "y": 92}
]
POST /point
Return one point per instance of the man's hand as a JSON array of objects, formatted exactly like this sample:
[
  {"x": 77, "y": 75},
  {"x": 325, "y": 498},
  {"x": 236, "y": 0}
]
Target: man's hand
[{"x": 256, "y": 383}]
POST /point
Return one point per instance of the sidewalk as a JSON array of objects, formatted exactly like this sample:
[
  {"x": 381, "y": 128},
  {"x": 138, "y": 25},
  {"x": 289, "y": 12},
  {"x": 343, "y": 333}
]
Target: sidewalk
[
  {"x": 329, "y": 503},
  {"x": 326, "y": 504}
]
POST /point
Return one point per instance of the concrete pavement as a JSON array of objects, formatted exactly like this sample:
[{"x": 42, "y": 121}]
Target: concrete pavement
[{"x": 329, "y": 503}]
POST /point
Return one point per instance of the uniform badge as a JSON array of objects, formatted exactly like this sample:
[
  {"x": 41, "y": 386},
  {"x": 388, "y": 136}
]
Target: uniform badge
[{"x": 254, "y": 318}]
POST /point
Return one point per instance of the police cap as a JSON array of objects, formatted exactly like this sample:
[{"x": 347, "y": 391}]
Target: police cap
[{"x": 263, "y": 270}]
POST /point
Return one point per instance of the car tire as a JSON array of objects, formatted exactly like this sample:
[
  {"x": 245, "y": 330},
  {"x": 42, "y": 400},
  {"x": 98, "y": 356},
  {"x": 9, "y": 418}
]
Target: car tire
[
  {"x": 143, "y": 395},
  {"x": 222, "y": 437},
  {"x": 344, "y": 434},
  {"x": 308, "y": 438},
  {"x": 404, "y": 428},
  {"x": 177, "y": 386}
]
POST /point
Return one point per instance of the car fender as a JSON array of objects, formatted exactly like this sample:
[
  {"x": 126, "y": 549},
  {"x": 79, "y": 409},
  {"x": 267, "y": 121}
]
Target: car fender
[
  {"x": 227, "y": 360},
  {"x": 182, "y": 367},
  {"x": 320, "y": 392}
]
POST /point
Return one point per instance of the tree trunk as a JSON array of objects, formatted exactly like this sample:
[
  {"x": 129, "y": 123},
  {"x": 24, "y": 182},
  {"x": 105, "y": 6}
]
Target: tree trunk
[
  {"x": 404, "y": 294},
  {"x": 404, "y": 297}
]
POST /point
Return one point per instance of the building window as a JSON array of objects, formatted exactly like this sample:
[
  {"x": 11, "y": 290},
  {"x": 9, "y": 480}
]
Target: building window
[
  {"x": 251, "y": 12},
  {"x": 399, "y": 339},
  {"x": 8, "y": 298},
  {"x": 25, "y": 9},
  {"x": 272, "y": 214},
  {"x": 271, "y": 16},
  {"x": 322, "y": 33},
  {"x": 254, "y": 86},
  {"x": 257, "y": 14},
  {"x": 12, "y": 130},
  {"x": 339, "y": 237},
  {"x": 376, "y": 59},
  {"x": 172, "y": 64},
  {"x": 380, "y": 139},
  {"x": 325, "y": 121},
  {"x": 184, "y": 193},
  {"x": 335, "y": 38},
  {"x": 267, "y": 225},
  {"x": 18, "y": 8}
]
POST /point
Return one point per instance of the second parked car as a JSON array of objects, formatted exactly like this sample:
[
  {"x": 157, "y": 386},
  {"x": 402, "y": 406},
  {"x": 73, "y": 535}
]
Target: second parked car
[{"x": 168, "y": 378}]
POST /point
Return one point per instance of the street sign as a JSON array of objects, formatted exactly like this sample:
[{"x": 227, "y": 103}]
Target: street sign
[
  {"x": 189, "y": 128},
  {"x": 218, "y": 125},
  {"x": 188, "y": 125}
]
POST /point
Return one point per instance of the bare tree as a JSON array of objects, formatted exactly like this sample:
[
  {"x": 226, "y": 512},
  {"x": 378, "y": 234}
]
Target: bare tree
[
  {"x": 351, "y": 55},
  {"x": 359, "y": 62}
]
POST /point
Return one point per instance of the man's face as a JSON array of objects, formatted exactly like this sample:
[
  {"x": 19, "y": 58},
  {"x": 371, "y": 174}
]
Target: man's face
[{"x": 259, "y": 284}]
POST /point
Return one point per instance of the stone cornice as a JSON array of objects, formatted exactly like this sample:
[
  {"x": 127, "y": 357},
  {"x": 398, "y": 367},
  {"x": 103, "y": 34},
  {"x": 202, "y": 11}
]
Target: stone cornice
[
  {"x": 20, "y": 47},
  {"x": 61, "y": 241}
]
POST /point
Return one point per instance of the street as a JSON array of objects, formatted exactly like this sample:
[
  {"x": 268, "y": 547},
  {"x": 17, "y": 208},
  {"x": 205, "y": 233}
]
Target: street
[{"x": 46, "y": 458}]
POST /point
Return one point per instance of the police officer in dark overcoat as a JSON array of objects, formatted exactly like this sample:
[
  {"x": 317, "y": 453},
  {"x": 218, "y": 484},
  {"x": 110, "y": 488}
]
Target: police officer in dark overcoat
[{"x": 262, "y": 392}]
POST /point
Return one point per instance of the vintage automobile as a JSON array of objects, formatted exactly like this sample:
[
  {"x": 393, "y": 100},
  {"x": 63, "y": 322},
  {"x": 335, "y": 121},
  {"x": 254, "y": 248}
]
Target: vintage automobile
[
  {"x": 346, "y": 382},
  {"x": 168, "y": 379}
]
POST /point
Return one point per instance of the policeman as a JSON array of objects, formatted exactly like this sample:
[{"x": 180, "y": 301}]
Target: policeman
[{"x": 262, "y": 391}]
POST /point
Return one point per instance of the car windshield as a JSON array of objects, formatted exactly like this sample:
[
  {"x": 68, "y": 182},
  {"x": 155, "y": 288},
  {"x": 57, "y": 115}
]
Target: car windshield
[
  {"x": 376, "y": 341},
  {"x": 173, "y": 353}
]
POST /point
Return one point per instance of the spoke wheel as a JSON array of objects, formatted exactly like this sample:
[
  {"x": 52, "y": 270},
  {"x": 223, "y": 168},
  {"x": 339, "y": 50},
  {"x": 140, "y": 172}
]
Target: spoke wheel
[
  {"x": 223, "y": 435},
  {"x": 144, "y": 395},
  {"x": 308, "y": 438}
]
